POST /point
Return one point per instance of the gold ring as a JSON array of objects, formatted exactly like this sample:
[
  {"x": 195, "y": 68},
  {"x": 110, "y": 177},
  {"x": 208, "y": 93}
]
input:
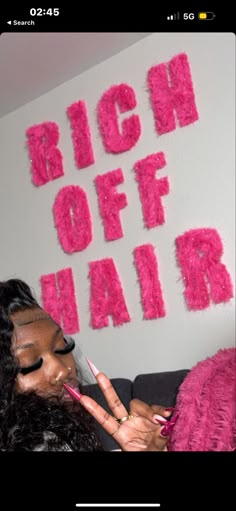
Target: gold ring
[
  {"x": 112, "y": 434},
  {"x": 123, "y": 419},
  {"x": 126, "y": 418}
]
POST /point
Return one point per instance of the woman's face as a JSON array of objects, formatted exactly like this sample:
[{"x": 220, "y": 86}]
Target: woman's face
[{"x": 43, "y": 353}]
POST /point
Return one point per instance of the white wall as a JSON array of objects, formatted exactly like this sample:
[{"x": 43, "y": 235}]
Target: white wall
[{"x": 200, "y": 168}]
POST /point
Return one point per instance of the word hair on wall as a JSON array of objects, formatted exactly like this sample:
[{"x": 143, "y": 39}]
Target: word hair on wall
[{"x": 198, "y": 251}]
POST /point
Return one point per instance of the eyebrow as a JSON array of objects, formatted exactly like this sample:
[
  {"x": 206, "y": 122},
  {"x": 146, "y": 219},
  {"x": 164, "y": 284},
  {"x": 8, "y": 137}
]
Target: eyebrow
[{"x": 31, "y": 344}]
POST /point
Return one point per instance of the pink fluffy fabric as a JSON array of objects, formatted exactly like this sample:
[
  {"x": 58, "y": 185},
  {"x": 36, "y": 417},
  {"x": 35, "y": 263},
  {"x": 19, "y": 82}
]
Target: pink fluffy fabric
[
  {"x": 81, "y": 135},
  {"x": 151, "y": 189},
  {"x": 118, "y": 97},
  {"x": 151, "y": 294},
  {"x": 205, "y": 406},
  {"x": 106, "y": 297}
]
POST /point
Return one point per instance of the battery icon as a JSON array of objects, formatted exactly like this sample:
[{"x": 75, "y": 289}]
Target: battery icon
[{"x": 206, "y": 15}]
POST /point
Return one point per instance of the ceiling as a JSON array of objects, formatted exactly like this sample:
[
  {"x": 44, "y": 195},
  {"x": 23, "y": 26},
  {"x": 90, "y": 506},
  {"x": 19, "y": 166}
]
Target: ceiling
[{"x": 32, "y": 64}]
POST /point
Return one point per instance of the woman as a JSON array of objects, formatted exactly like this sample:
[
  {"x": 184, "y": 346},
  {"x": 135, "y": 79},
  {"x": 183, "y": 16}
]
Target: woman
[{"x": 36, "y": 411}]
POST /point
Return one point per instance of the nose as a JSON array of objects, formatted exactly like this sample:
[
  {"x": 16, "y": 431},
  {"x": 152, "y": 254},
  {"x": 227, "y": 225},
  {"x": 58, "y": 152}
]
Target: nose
[{"x": 60, "y": 375}]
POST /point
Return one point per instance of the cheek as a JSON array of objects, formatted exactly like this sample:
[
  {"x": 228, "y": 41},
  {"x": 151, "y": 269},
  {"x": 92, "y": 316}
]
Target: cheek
[
  {"x": 26, "y": 383},
  {"x": 70, "y": 362}
]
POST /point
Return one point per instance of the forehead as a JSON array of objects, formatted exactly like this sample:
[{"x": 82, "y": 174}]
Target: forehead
[
  {"x": 30, "y": 322},
  {"x": 27, "y": 316}
]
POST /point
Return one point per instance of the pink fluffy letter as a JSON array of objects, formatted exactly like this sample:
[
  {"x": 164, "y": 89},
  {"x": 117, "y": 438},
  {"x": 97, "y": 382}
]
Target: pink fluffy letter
[
  {"x": 198, "y": 253},
  {"x": 46, "y": 159},
  {"x": 58, "y": 297},
  {"x": 72, "y": 219},
  {"x": 177, "y": 95},
  {"x": 123, "y": 97},
  {"x": 81, "y": 134},
  {"x": 147, "y": 268},
  {"x": 106, "y": 295},
  {"x": 110, "y": 203},
  {"x": 151, "y": 189}
]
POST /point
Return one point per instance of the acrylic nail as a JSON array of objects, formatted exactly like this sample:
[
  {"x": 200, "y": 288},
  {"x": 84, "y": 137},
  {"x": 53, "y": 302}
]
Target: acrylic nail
[
  {"x": 73, "y": 392},
  {"x": 163, "y": 432},
  {"x": 94, "y": 370},
  {"x": 173, "y": 419},
  {"x": 159, "y": 419},
  {"x": 167, "y": 429}
]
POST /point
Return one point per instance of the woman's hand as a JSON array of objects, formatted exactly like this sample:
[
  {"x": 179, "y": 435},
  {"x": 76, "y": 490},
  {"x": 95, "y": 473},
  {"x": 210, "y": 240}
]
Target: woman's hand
[{"x": 138, "y": 429}]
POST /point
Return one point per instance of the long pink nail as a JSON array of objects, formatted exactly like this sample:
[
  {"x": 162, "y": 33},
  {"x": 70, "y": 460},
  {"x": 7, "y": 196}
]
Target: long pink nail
[
  {"x": 173, "y": 419},
  {"x": 163, "y": 432},
  {"x": 159, "y": 419},
  {"x": 167, "y": 429},
  {"x": 94, "y": 370},
  {"x": 74, "y": 393}
]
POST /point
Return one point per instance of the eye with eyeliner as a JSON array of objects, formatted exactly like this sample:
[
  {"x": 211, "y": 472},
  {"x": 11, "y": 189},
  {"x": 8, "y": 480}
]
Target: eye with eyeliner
[
  {"x": 33, "y": 367},
  {"x": 69, "y": 346}
]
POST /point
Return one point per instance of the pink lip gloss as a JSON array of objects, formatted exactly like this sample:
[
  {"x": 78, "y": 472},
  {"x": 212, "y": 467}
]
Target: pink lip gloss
[{"x": 74, "y": 393}]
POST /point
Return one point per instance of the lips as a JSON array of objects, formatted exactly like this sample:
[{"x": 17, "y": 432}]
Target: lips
[{"x": 65, "y": 395}]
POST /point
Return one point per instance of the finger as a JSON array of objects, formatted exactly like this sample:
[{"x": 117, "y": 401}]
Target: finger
[
  {"x": 161, "y": 410},
  {"x": 160, "y": 442},
  {"x": 109, "y": 423},
  {"x": 138, "y": 407},
  {"x": 153, "y": 413},
  {"x": 112, "y": 398},
  {"x": 160, "y": 413},
  {"x": 143, "y": 418}
]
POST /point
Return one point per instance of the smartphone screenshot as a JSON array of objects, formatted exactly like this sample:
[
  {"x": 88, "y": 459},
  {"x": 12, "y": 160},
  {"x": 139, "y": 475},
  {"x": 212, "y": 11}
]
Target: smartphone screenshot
[{"x": 117, "y": 208}]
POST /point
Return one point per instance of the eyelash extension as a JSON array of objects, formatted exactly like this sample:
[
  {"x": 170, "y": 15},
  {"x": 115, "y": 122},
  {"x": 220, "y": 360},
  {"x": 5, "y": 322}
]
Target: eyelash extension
[
  {"x": 70, "y": 344},
  {"x": 26, "y": 370}
]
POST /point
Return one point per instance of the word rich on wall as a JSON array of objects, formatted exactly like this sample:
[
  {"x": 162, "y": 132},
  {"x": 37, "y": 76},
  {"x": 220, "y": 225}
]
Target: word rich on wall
[{"x": 198, "y": 250}]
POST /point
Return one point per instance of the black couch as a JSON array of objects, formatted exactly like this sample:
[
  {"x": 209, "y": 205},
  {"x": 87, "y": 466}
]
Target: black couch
[{"x": 153, "y": 388}]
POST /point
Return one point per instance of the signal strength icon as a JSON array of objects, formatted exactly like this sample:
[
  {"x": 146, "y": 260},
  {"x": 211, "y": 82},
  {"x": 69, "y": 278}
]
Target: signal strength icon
[{"x": 173, "y": 17}]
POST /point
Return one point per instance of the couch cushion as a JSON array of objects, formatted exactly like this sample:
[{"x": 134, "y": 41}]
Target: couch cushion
[
  {"x": 123, "y": 388},
  {"x": 158, "y": 388}
]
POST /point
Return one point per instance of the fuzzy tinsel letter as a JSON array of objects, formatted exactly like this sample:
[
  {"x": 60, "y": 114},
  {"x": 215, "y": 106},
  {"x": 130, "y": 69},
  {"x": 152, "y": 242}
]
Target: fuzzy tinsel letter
[
  {"x": 198, "y": 253},
  {"x": 122, "y": 97},
  {"x": 151, "y": 189},
  {"x": 110, "y": 203},
  {"x": 46, "y": 159},
  {"x": 58, "y": 298},
  {"x": 172, "y": 93},
  {"x": 72, "y": 219},
  {"x": 147, "y": 268},
  {"x": 106, "y": 295},
  {"x": 81, "y": 134}
]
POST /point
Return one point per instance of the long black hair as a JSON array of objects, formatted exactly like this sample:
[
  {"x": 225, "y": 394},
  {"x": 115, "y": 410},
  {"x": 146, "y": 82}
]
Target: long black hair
[{"x": 27, "y": 420}]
